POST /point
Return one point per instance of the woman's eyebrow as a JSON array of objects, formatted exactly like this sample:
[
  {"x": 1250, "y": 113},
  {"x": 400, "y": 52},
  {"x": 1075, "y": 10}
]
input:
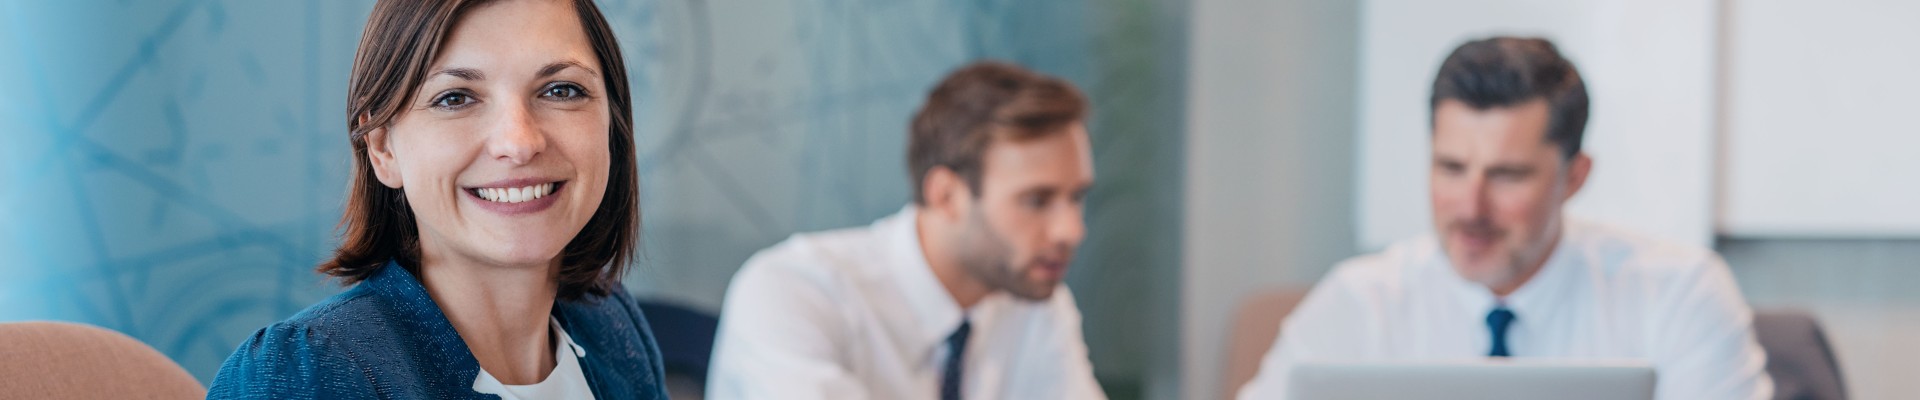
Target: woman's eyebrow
[
  {"x": 462, "y": 73},
  {"x": 556, "y": 67}
]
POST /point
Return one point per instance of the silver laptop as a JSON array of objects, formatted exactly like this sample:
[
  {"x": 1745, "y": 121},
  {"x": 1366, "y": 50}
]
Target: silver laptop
[{"x": 1493, "y": 379}]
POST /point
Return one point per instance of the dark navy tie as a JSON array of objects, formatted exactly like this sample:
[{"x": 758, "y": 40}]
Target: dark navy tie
[
  {"x": 1498, "y": 321},
  {"x": 956, "y": 353}
]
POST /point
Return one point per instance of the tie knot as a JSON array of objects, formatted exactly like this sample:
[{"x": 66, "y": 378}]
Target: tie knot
[
  {"x": 959, "y": 336},
  {"x": 1500, "y": 318}
]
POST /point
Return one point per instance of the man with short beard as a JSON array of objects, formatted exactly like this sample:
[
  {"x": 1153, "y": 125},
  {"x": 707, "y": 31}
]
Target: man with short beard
[
  {"x": 1505, "y": 275},
  {"x": 959, "y": 294}
]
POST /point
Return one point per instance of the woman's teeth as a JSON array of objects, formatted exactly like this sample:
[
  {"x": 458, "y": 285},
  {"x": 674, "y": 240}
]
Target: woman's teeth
[{"x": 515, "y": 195}]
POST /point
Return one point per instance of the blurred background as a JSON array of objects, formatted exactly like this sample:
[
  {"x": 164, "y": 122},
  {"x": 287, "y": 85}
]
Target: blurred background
[{"x": 173, "y": 169}]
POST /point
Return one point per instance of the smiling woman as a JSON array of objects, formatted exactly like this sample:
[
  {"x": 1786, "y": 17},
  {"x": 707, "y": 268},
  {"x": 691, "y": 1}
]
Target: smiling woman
[{"x": 493, "y": 208}]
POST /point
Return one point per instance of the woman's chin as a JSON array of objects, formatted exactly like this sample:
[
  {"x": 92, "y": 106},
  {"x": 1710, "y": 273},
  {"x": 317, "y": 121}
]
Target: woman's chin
[{"x": 508, "y": 254}]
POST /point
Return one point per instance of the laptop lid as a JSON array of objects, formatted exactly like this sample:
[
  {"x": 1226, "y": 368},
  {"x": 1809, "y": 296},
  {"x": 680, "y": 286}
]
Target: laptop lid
[{"x": 1491, "y": 379}]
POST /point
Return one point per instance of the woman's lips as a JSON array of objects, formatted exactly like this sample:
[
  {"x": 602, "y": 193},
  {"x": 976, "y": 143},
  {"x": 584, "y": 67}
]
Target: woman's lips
[{"x": 517, "y": 196}]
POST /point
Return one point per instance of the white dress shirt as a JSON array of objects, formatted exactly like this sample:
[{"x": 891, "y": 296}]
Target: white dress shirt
[
  {"x": 1602, "y": 295},
  {"x": 566, "y": 381},
  {"x": 857, "y": 314}
]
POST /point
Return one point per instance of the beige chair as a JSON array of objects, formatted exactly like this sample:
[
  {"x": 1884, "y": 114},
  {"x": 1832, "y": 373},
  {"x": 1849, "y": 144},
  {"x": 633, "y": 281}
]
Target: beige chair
[
  {"x": 59, "y": 360},
  {"x": 1255, "y": 326},
  {"x": 1801, "y": 362}
]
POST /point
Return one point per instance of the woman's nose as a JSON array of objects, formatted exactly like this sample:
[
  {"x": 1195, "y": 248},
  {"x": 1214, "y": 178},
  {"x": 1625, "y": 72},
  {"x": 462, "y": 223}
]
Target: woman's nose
[{"x": 518, "y": 138}]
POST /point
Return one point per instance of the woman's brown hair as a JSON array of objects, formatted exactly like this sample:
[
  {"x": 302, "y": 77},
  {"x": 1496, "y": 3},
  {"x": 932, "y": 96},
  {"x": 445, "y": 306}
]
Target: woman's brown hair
[{"x": 400, "y": 43}]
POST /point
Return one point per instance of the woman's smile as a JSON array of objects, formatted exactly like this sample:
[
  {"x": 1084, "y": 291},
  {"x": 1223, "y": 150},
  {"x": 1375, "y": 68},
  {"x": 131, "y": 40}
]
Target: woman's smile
[{"x": 516, "y": 196}]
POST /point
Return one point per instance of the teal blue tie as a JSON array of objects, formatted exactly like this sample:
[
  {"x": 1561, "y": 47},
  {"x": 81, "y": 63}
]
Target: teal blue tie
[
  {"x": 956, "y": 352},
  {"x": 1498, "y": 321}
]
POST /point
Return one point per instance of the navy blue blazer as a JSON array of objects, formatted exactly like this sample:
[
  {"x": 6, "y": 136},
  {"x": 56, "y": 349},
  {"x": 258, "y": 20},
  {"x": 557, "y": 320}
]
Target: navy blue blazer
[{"x": 386, "y": 339}]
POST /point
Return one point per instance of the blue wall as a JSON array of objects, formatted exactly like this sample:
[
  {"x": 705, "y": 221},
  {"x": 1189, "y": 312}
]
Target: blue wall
[
  {"x": 185, "y": 164},
  {"x": 173, "y": 169}
]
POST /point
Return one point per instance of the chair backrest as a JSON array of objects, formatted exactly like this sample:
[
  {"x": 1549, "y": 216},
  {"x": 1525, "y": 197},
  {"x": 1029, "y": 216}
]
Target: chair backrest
[
  {"x": 59, "y": 360},
  {"x": 686, "y": 338},
  {"x": 1801, "y": 363},
  {"x": 1255, "y": 325}
]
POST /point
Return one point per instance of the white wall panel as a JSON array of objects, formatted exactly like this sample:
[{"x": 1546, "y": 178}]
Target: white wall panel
[{"x": 1822, "y": 138}]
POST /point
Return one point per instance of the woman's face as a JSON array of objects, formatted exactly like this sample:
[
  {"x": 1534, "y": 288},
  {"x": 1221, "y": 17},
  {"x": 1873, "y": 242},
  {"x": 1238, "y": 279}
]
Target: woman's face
[{"x": 503, "y": 152}]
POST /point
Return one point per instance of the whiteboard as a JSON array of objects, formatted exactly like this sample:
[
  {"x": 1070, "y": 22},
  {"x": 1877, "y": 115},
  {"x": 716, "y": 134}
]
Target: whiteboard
[
  {"x": 1823, "y": 119},
  {"x": 1648, "y": 66}
]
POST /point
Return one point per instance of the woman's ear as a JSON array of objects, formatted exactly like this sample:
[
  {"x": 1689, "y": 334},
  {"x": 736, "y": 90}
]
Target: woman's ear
[{"x": 380, "y": 156}]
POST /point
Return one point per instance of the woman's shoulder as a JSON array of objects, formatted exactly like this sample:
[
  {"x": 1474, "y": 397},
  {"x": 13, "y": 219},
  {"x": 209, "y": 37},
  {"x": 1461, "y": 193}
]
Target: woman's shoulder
[
  {"x": 317, "y": 352},
  {"x": 342, "y": 321}
]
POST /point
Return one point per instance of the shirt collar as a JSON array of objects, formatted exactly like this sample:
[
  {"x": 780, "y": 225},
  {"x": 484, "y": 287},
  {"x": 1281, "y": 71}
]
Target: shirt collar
[
  {"x": 565, "y": 339},
  {"x": 563, "y": 368},
  {"x": 937, "y": 315},
  {"x": 1546, "y": 287}
]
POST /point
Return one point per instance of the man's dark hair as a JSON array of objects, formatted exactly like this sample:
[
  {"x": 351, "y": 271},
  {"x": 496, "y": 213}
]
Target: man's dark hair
[
  {"x": 1507, "y": 71},
  {"x": 978, "y": 103}
]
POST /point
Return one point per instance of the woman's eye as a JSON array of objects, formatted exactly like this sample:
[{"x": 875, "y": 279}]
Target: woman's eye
[
  {"x": 452, "y": 101},
  {"x": 564, "y": 92}
]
